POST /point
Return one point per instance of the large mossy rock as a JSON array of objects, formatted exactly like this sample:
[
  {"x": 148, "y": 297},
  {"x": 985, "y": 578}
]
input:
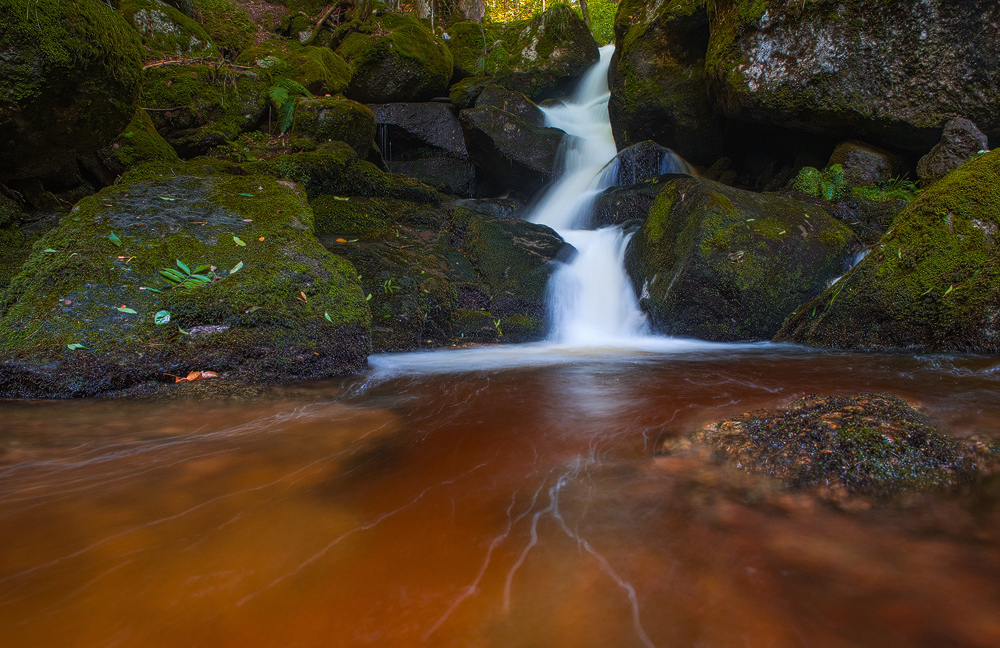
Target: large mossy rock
[
  {"x": 328, "y": 119},
  {"x": 658, "y": 85},
  {"x": 228, "y": 23},
  {"x": 719, "y": 263},
  {"x": 425, "y": 141},
  {"x": 442, "y": 275},
  {"x": 70, "y": 76},
  {"x": 892, "y": 73},
  {"x": 165, "y": 30},
  {"x": 138, "y": 143},
  {"x": 511, "y": 153},
  {"x": 932, "y": 282},
  {"x": 263, "y": 321},
  {"x": 394, "y": 58},
  {"x": 196, "y": 107},
  {"x": 542, "y": 57},
  {"x": 319, "y": 69}
]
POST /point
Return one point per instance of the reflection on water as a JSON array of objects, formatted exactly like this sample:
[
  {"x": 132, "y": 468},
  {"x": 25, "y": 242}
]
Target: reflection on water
[{"x": 515, "y": 504}]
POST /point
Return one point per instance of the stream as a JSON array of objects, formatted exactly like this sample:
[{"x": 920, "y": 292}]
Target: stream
[{"x": 506, "y": 497}]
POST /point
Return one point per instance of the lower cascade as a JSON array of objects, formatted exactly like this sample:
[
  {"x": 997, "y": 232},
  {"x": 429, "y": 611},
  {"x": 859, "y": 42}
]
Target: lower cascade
[{"x": 591, "y": 300}]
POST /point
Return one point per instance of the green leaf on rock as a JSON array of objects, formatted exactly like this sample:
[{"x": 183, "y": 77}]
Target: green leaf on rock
[
  {"x": 247, "y": 195},
  {"x": 161, "y": 317},
  {"x": 117, "y": 242},
  {"x": 75, "y": 346},
  {"x": 238, "y": 241},
  {"x": 328, "y": 318},
  {"x": 126, "y": 309},
  {"x": 236, "y": 268}
]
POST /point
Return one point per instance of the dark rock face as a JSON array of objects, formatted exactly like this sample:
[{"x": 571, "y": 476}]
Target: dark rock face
[
  {"x": 541, "y": 57},
  {"x": 866, "y": 445},
  {"x": 138, "y": 143},
  {"x": 511, "y": 152},
  {"x": 892, "y": 73},
  {"x": 865, "y": 164},
  {"x": 627, "y": 205},
  {"x": 196, "y": 107},
  {"x": 70, "y": 76},
  {"x": 719, "y": 263},
  {"x": 395, "y": 58},
  {"x": 658, "y": 85},
  {"x": 82, "y": 320},
  {"x": 960, "y": 141},
  {"x": 933, "y": 281},
  {"x": 425, "y": 141},
  {"x": 513, "y": 102},
  {"x": 327, "y": 119},
  {"x": 441, "y": 276},
  {"x": 643, "y": 161}
]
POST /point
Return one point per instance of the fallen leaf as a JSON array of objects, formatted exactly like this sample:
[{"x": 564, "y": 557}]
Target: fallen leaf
[
  {"x": 117, "y": 242},
  {"x": 261, "y": 238},
  {"x": 247, "y": 195},
  {"x": 236, "y": 268},
  {"x": 238, "y": 241},
  {"x": 302, "y": 297},
  {"x": 252, "y": 309},
  {"x": 126, "y": 309},
  {"x": 328, "y": 318},
  {"x": 167, "y": 198},
  {"x": 341, "y": 240},
  {"x": 194, "y": 375},
  {"x": 161, "y": 317},
  {"x": 339, "y": 198},
  {"x": 74, "y": 346},
  {"x": 50, "y": 250}
]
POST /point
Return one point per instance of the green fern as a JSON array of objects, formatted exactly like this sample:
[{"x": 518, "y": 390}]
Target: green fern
[
  {"x": 186, "y": 279},
  {"x": 284, "y": 94}
]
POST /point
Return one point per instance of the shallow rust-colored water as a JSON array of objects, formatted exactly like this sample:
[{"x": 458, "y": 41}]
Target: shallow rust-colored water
[{"x": 505, "y": 507}]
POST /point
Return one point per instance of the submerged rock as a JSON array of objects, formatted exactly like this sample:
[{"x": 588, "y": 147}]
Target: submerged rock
[
  {"x": 961, "y": 140},
  {"x": 868, "y": 445},
  {"x": 933, "y": 281},
  {"x": 91, "y": 311},
  {"x": 719, "y": 263},
  {"x": 658, "y": 86},
  {"x": 70, "y": 76},
  {"x": 892, "y": 73}
]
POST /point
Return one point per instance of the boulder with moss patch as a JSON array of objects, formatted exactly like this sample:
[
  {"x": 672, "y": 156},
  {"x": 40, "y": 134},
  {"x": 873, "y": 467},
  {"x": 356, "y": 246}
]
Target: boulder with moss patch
[
  {"x": 442, "y": 275},
  {"x": 719, "y": 263},
  {"x": 931, "y": 283},
  {"x": 328, "y": 119},
  {"x": 542, "y": 57},
  {"x": 90, "y": 317},
  {"x": 166, "y": 30},
  {"x": 196, "y": 107},
  {"x": 394, "y": 58},
  {"x": 892, "y": 73},
  {"x": 228, "y": 23},
  {"x": 70, "y": 77},
  {"x": 659, "y": 90},
  {"x": 138, "y": 143}
]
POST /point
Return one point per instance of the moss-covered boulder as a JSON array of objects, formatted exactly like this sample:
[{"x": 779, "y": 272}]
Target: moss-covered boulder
[
  {"x": 513, "y": 102},
  {"x": 394, "y": 58},
  {"x": 542, "y": 57},
  {"x": 138, "y": 143},
  {"x": 873, "y": 445},
  {"x": 510, "y": 153},
  {"x": 228, "y": 23},
  {"x": 719, "y": 263},
  {"x": 319, "y": 69},
  {"x": 328, "y": 119},
  {"x": 931, "y": 283},
  {"x": 445, "y": 275},
  {"x": 196, "y": 107},
  {"x": 891, "y": 73},
  {"x": 166, "y": 30},
  {"x": 88, "y": 313},
  {"x": 659, "y": 90},
  {"x": 70, "y": 76},
  {"x": 425, "y": 141}
]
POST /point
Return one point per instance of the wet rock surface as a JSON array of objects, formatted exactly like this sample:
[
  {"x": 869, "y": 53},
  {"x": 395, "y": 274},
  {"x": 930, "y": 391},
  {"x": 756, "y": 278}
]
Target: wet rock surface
[
  {"x": 869, "y": 445},
  {"x": 960, "y": 141}
]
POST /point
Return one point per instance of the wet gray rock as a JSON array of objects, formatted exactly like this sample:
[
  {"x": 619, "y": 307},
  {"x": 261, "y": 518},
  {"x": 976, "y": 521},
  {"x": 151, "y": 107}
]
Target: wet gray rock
[
  {"x": 960, "y": 141},
  {"x": 513, "y": 102}
]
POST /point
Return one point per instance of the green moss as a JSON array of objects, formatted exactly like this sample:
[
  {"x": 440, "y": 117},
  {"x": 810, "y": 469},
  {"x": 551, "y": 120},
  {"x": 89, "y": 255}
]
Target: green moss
[
  {"x": 351, "y": 218},
  {"x": 933, "y": 281},
  {"x": 196, "y": 107},
  {"x": 165, "y": 30},
  {"x": 261, "y": 327},
  {"x": 227, "y": 23},
  {"x": 140, "y": 142},
  {"x": 327, "y": 119},
  {"x": 828, "y": 184},
  {"x": 69, "y": 82},
  {"x": 888, "y": 191}
]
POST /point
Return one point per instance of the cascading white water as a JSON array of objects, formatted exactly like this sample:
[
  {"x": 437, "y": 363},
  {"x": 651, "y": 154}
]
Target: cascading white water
[{"x": 591, "y": 299}]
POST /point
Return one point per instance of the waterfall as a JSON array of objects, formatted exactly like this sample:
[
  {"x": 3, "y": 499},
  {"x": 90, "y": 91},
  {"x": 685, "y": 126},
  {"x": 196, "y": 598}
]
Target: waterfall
[{"x": 591, "y": 300}]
